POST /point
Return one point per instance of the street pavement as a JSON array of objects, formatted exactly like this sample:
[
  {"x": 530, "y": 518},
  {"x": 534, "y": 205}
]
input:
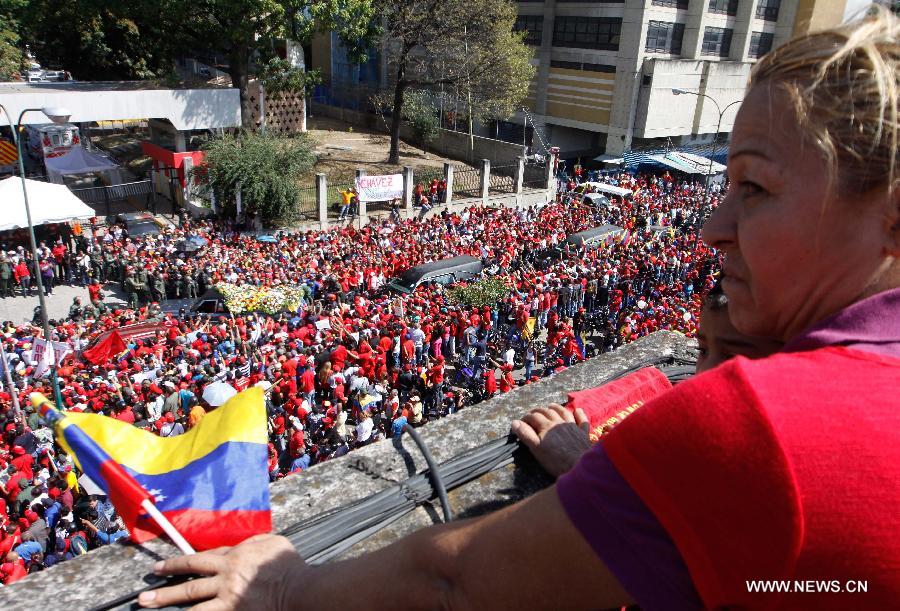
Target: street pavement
[{"x": 20, "y": 309}]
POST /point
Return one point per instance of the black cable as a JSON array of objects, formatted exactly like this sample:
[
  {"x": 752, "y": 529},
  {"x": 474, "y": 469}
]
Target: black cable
[{"x": 434, "y": 473}]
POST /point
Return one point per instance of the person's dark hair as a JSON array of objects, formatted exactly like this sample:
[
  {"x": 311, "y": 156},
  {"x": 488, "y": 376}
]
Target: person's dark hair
[{"x": 716, "y": 299}]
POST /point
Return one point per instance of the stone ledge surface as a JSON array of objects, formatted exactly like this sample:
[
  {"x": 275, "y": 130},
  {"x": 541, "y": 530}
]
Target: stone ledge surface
[{"x": 116, "y": 570}]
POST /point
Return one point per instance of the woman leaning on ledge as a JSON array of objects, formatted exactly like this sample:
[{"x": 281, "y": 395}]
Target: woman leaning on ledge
[{"x": 784, "y": 468}]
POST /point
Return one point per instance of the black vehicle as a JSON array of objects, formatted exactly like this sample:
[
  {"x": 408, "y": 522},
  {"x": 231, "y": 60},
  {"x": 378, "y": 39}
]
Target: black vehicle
[
  {"x": 138, "y": 223},
  {"x": 445, "y": 271},
  {"x": 596, "y": 237}
]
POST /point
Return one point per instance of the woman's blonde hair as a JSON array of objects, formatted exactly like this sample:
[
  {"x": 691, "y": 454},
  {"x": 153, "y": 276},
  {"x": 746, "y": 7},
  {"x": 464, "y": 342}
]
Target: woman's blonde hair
[{"x": 843, "y": 84}]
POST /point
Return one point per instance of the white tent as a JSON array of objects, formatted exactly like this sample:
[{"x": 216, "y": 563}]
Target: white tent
[
  {"x": 49, "y": 203},
  {"x": 78, "y": 160}
]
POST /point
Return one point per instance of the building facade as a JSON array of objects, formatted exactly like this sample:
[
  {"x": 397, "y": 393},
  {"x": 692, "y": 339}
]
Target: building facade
[{"x": 607, "y": 70}]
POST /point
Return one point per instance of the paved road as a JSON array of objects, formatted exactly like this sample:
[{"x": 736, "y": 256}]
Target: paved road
[{"x": 20, "y": 309}]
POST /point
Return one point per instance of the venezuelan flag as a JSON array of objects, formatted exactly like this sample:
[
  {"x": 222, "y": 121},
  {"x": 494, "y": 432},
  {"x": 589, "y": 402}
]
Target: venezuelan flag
[{"x": 212, "y": 482}]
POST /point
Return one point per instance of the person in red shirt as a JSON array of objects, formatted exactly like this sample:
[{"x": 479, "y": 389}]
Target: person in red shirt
[
  {"x": 13, "y": 569},
  {"x": 23, "y": 462}
]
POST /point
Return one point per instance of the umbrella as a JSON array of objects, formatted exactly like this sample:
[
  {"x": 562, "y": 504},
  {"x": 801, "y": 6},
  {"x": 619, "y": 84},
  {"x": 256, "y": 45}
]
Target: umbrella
[
  {"x": 268, "y": 239},
  {"x": 218, "y": 393},
  {"x": 191, "y": 244}
]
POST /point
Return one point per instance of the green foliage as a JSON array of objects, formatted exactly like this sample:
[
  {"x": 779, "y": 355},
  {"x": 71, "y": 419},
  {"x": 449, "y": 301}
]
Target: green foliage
[
  {"x": 99, "y": 40},
  {"x": 12, "y": 59},
  {"x": 485, "y": 292},
  {"x": 266, "y": 167},
  {"x": 278, "y": 76},
  {"x": 419, "y": 111},
  {"x": 467, "y": 46}
]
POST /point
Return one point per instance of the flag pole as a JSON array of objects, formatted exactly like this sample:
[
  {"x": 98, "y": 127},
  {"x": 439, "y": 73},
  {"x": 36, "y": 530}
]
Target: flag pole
[
  {"x": 13, "y": 392},
  {"x": 167, "y": 527},
  {"x": 51, "y": 414}
]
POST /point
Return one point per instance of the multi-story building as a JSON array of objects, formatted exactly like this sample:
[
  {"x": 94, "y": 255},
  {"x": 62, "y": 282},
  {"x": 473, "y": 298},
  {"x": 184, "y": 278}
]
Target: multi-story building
[{"x": 620, "y": 74}]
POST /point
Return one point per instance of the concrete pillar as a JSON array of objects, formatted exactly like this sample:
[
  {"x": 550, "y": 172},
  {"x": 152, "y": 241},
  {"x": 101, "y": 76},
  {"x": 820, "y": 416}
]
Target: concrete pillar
[
  {"x": 187, "y": 167},
  {"x": 551, "y": 177},
  {"x": 180, "y": 142},
  {"x": 448, "y": 178},
  {"x": 408, "y": 186},
  {"x": 520, "y": 179},
  {"x": 363, "y": 214},
  {"x": 238, "y": 202},
  {"x": 485, "y": 179},
  {"x": 322, "y": 199}
]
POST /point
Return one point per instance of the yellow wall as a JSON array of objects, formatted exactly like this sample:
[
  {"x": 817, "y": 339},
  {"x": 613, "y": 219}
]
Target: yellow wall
[
  {"x": 580, "y": 95},
  {"x": 814, "y": 15}
]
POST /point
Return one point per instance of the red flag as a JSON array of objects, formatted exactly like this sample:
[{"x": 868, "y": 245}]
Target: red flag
[
  {"x": 607, "y": 405},
  {"x": 104, "y": 349}
]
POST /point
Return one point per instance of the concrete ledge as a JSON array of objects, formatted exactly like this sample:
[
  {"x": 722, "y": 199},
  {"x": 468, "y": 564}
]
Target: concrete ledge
[{"x": 116, "y": 570}]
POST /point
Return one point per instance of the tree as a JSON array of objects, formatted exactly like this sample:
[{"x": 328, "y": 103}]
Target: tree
[
  {"x": 266, "y": 169},
  {"x": 420, "y": 113},
  {"x": 100, "y": 40},
  {"x": 11, "y": 57},
  {"x": 468, "y": 44},
  {"x": 242, "y": 30}
]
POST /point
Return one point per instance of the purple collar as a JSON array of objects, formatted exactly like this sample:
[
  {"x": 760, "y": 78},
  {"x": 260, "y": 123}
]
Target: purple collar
[{"x": 872, "y": 325}]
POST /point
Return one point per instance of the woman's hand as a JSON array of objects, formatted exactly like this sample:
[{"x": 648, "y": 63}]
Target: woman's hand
[
  {"x": 257, "y": 574},
  {"x": 555, "y": 436}
]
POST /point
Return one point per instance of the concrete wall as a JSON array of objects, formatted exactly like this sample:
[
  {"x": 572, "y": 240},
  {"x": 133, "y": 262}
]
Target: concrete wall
[
  {"x": 661, "y": 113},
  {"x": 448, "y": 143},
  {"x": 185, "y": 108}
]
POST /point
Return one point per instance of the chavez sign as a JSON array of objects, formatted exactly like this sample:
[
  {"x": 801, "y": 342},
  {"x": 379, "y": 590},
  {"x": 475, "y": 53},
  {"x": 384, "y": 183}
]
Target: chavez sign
[{"x": 379, "y": 188}]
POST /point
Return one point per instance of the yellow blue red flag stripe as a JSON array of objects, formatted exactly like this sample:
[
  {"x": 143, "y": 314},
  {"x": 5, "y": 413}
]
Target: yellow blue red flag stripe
[{"x": 212, "y": 482}]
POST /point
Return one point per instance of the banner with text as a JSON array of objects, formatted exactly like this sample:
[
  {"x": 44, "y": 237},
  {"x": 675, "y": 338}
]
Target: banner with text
[{"x": 380, "y": 188}]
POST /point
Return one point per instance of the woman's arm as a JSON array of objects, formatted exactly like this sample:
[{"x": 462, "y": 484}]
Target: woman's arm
[{"x": 526, "y": 556}]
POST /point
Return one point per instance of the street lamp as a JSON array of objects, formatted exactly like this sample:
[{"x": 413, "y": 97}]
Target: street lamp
[
  {"x": 58, "y": 115},
  {"x": 677, "y": 91}
]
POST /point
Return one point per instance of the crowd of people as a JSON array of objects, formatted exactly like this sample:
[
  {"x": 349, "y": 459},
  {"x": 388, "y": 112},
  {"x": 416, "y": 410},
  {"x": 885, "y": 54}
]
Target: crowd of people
[{"x": 383, "y": 360}]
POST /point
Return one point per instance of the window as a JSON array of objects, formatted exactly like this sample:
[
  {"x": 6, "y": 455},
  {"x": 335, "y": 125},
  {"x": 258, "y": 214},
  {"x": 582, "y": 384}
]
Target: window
[
  {"x": 723, "y": 7},
  {"x": 768, "y": 9},
  {"x": 717, "y": 41},
  {"x": 534, "y": 25},
  {"x": 664, "y": 37},
  {"x": 760, "y": 43},
  {"x": 679, "y": 4},
  {"x": 587, "y": 32},
  {"x": 583, "y": 66}
]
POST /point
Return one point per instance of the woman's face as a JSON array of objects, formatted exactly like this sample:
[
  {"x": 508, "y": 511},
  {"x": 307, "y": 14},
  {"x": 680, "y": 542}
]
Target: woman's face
[{"x": 795, "y": 251}]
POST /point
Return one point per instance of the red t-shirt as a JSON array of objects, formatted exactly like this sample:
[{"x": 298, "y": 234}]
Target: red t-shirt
[{"x": 784, "y": 468}]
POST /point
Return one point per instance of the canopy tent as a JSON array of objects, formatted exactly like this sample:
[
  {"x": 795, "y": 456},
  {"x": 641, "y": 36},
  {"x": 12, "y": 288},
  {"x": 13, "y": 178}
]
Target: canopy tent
[
  {"x": 78, "y": 160},
  {"x": 49, "y": 203}
]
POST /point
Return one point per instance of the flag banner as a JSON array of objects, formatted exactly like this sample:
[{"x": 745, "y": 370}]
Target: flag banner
[
  {"x": 380, "y": 188},
  {"x": 608, "y": 405},
  {"x": 212, "y": 482},
  {"x": 105, "y": 349}
]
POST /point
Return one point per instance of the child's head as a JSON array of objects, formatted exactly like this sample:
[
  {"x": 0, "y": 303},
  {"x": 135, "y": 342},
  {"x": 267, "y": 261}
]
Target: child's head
[{"x": 720, "y": 341}]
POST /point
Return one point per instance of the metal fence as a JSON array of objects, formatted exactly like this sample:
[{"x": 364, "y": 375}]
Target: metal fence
[
  {"x": 503, "y": 178},
  {"x": 106, "y": 196},
  {"x": 466, "y": 182},
  {"x": 535, "y": 176},
  {"x": 307, "y": 205}
]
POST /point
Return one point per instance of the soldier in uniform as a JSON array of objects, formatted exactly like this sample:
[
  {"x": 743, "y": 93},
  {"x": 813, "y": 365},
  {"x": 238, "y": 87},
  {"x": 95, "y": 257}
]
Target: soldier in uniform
[
  {"x": 143, "y": 285},
  {"x": 5, "y": 276},
  {"x": 189, "y": 286},
  {"x": 157, "y": 286},
  {"x": 97, "y": 264},
  {"x": 109, "y": 267},
  {"x": 131, "y": 290},
  {"x": 75, "y": 310}
]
